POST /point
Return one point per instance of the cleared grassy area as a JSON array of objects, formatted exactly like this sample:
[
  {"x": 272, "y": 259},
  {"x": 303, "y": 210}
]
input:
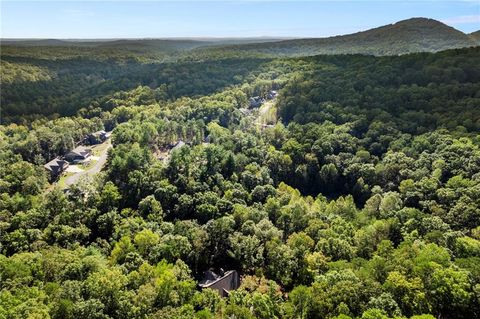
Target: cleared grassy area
[
  {"x": 62, "y": 179},
  {"x": 88, "y": 165},
  {"x": 267, "y": 113},
  {"x": 98, "y": 149}
]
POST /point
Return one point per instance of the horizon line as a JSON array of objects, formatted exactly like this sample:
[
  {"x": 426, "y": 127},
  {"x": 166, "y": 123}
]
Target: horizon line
[{"x": 207, "y": 37}]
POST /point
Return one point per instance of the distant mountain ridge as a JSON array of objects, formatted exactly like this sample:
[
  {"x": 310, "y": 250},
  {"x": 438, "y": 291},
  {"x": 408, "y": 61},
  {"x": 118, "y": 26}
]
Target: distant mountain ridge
[
  {"x": 406, "y": 36},
  {"x": 187, "y": 43}
]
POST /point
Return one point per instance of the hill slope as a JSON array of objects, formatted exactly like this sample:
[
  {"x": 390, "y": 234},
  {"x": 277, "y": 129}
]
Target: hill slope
[
  {"x": 475, "y": 36},
  {"x": 407, "y": 36}
]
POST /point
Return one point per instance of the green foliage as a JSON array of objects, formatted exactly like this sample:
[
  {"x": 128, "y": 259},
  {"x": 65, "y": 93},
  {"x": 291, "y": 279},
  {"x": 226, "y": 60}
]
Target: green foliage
[
  {"x": 363, "y": 203},
  {"x": 406, "y": 36}
]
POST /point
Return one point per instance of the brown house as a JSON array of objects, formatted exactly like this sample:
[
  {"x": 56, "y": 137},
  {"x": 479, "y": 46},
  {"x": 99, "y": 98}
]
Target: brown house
[
  {"x": 56, "y": 167},
  {"x": 223, "y": 283}
]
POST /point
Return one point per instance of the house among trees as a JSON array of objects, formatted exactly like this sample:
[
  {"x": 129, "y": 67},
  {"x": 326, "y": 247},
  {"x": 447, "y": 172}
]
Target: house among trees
[
  {"x": 272, "y": 94},
  {"x": 78, "y": 154},
  {"x": 178, "y": 145},
  {"x": 163, "y": 154},
  {"x": 264, "y": 126},
  {"x": 56, "y": 167},
  {"x": 223, "y": 282},
  {"x": 96, "y": 137},
  {"x": 256, "y": 101}
]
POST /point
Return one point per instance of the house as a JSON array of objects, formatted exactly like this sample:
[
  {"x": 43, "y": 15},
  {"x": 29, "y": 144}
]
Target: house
[
  {"x": 178, "y": 145},
  {"x": 56, "y": 167},
  {"x": 223, "y": 282},
  {"x": 256, "y": 101},
  {"x": 78, "y": 154},
  {"x": 272, "y": 94},
  {"x": 96, "y": 137}
]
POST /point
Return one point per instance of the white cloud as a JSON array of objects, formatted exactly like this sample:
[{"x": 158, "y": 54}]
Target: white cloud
[{"x": 463, "y": 19}]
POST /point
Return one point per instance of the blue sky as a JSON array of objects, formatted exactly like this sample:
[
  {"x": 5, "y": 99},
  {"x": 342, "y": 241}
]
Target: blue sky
[{"x": 141, "y": 19}]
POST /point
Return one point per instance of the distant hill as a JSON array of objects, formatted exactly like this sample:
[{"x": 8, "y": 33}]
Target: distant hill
[
  {"x": 101, "y": 49},
  {"x": 407, "y": 36},
  {"x": 181, "y": 43},
  {"x": 35, "y": 42},
  {"x": 475, "y": 36}
]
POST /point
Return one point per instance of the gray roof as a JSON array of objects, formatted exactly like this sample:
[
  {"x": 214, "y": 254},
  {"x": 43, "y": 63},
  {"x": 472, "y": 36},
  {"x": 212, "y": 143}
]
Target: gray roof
[
  {"x": 56, "y": 165},
  {"x": 210, "y": 278},
  {"x": 98, "y": 133},
  {"x": 80, "y": 151},
  {"x": 178, "y": 145}
]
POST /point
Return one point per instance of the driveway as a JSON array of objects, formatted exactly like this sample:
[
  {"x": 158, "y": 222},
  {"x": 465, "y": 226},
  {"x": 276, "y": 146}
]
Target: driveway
[
  {"x": 264, "y": 112},
  {"x": 96, "y": 167}
]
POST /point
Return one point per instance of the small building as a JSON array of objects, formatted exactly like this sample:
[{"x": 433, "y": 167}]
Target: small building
[
  {"x": 223, "y": 282},
  {"x": 272, "y": 94},
  {"x": 256, "y": 101},
  {"x": 96, "y": 137},
  {"x": 56, "y": 167},
  {"x": 264, "y": 126},
  {"x": 78, "y": 154},
  {"x": 178, "y": 145}
]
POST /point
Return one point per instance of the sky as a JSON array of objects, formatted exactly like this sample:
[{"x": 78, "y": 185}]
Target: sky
[{"x": 248, "y": 18}]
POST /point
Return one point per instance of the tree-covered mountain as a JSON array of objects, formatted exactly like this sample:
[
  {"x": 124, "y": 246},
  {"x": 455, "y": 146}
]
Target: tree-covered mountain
[
  {"x": 407, "y": 36},
  {"x": 50, "y": 77}
]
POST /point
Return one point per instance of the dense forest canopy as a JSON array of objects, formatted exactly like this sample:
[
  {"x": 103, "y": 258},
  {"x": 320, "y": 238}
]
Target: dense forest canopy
[
  {"x": 354, "y": 193},
  {"x": 81, "y": 84},
  {"x": 59, "y": 77}
]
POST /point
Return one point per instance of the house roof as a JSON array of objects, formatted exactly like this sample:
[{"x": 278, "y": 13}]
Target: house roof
[
  {"x": 211, "y": 278},
  {"x": 178, "y": 145},
  {"x": 98, "y": 133},
  {"x": 80, "y": 151},
  {"x": 56, "y": 165}
]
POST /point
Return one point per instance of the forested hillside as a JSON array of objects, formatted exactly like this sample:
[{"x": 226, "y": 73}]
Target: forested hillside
[
  {"x": 406, "y": 36},
  {"x": 359, "y": 199},
  {"x": 66, "y": 87},
  {"x": 59, "y": 77}
]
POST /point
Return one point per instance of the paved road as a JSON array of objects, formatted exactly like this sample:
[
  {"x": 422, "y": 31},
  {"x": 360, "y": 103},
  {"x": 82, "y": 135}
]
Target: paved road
[{"x": 97, "y": 167}]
